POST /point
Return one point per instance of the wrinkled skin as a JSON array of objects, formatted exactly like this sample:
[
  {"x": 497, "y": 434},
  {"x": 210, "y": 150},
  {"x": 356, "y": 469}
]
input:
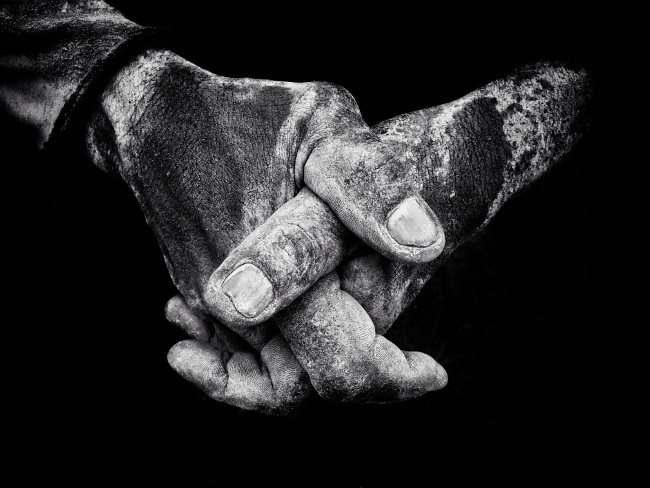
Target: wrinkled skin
[
  {"x": 469, "y": 157},
  {"x": 210, "y": 159}
]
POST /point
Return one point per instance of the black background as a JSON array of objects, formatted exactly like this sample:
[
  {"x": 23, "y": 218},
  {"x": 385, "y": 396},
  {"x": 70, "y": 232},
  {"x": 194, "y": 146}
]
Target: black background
[{"x": 514, "y": 316}]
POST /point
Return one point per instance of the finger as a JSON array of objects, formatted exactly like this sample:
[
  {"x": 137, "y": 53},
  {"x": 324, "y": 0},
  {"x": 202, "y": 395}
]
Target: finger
[
  {"x": 178, "y": 313},
  {"x": 272, "y": 382},
  {"x": 480, "y": 151},
  {"x": 287, "y": 382},
  {"x": 202, "y": 328},
  {"x": 301, "y": 242},
  {"x": 206, "y": 329},
  {"x": 373, "y": 192},
  {"x": 382, "y": 287},
  {"x": 469, "y": 157},
  {"x": 335, "y": 341}
]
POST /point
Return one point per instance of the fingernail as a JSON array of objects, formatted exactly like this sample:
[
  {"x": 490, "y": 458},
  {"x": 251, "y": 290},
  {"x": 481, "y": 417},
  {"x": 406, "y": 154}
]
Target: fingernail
[
  {"x": 410, "y": 225},
  {"x": 249, "y": 290}
]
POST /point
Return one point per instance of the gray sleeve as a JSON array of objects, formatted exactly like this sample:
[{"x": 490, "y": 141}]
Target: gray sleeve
[{"x": 52, "y": 53}]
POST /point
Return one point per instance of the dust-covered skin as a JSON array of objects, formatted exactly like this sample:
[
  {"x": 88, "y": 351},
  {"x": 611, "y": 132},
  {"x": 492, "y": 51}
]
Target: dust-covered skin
[
  {"x": 472, "y": 155},
  {"x": 469, "y": 157},
  {"x": 210, "y": 159},
  {"x": 229, "y": 370}
]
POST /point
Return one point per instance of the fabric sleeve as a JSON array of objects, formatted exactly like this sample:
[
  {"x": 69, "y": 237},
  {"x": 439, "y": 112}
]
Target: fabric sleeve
[{"x": 52, "y": 54}]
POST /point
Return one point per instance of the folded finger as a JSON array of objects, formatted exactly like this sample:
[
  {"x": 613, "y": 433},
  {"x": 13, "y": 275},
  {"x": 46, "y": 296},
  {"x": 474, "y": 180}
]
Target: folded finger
[
  {"x": 335, "y": 341},
  {"x": 272, "y": 382}
]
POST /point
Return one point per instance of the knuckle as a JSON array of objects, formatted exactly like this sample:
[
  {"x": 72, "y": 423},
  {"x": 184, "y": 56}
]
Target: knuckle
[
  {"x": 303, "y": 248},
  {"x": 331, "y": 92}
]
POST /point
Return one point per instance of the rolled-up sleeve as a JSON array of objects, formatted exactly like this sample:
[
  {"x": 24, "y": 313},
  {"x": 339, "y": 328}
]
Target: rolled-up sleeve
[{"x": 52, "y": 53}]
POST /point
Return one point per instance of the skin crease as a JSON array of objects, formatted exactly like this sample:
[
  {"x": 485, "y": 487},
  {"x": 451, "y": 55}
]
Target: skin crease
[{"x": 470, "y": 156}]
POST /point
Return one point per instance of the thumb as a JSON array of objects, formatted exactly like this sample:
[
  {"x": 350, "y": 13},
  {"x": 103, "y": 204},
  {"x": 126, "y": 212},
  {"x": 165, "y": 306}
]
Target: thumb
[
  {"x": 466, "y": 177},
  {"x": 301, "y": 242},
  {"x": 375, "y": 194}
]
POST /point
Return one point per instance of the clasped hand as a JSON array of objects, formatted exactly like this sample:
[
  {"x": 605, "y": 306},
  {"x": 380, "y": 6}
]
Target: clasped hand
[{"x": 295, "y": 233}]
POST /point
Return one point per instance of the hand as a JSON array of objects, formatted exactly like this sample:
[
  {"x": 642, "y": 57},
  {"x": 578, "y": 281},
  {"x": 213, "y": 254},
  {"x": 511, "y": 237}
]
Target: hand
[
  {"x": 470, "y": 156},
  {"x": 210, "y": 159}
]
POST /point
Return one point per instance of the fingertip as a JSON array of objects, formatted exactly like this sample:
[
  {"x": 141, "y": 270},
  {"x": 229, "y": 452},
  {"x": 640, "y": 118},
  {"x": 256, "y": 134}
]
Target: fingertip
[
  {"x": 173, "y": 307},
  {"x": 178, "y": 312},
  {"x": 181, "y": 353},
  {"x": 443, "y": 378},
  {"x": 376, "y": 195},
  {"x": 411, "y": 233},
  {"x": 416, "y": 232},
  {"x": 302, "y": 241},
  {"x": 248, "y": 289},
  {"x": 429, "y": 374},
  {"x": 177, "y": 354},
  {"x": 410, "y": 225},
  {"x": 239, "y": 295},
  {"x": 439, "y": 376},
  {"x": 196, "y": 361}
]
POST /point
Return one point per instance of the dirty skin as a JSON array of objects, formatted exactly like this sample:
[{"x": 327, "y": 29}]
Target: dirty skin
[
  {"x": 471, "y": 156},
  {"x": 468, "y": 157}
]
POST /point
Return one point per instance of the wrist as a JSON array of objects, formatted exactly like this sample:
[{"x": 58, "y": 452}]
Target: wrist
[{"x": 110, "y": 132}]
